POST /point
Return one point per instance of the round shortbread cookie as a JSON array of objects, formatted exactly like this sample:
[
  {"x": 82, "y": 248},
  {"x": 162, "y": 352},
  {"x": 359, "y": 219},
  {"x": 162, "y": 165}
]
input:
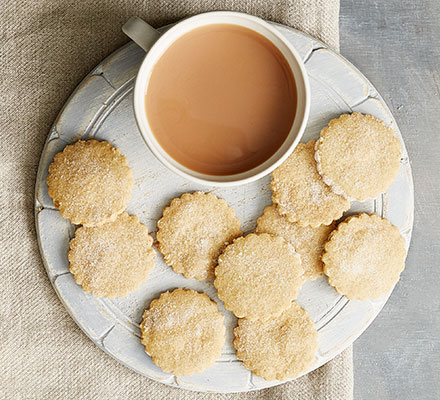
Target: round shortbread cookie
[
  {"x": 364, "y": 257},
  {"x": 300, "y": 193},
  {"x": 183, "y": 332},
  {"x": 358, "y": 155},
  {"x": 90, "y": 182},
  {"x": 307, "y": 241},
  {"x": 193, "y": 231},
  {"x": 258, "y": 276},
  {"x": 279, "y": 348},
  {"x": 113, "y": 259}
]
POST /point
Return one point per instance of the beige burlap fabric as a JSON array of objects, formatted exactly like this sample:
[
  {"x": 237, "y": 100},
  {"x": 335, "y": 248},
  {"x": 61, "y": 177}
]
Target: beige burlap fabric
[{"x": 46, "y": 48}]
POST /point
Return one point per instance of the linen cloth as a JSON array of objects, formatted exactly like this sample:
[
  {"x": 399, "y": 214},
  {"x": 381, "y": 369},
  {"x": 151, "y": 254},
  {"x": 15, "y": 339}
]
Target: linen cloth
[{"x": 46, "y": 48}]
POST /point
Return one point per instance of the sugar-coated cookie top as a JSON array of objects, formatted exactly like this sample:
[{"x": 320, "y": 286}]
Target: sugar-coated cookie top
[
  {"x": 90, "y": 182},
  {"x": 113, "y": 259},
  {"x": 279, "y": 348},
  {"x": 300, "y": 193},
  {"x": 193, "y": 231},
  {"x": 183, "y": 331},
  {"x": 258, "y": 276},
  {"x": 364, "y": 257},
  {"x": 358, "y": 156}
]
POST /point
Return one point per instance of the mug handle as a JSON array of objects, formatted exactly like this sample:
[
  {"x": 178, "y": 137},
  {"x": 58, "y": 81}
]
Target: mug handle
[{"x": 143, "y": 34}]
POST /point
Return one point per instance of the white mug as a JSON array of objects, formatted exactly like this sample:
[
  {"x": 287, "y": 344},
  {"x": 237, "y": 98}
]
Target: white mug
[{"x": 156, "y": 44}]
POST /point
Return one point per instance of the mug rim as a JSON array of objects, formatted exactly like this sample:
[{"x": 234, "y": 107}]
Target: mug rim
[{"x": 161, "y": 154}]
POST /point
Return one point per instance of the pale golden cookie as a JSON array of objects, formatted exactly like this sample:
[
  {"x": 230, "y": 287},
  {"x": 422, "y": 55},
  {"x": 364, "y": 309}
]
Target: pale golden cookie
[
  {"x": 183, "y": 332},
  {"x": 358, "y": 156},
  {"x": 300, "y": 193},
  {"x": 279, "y": 348},
  {"x": 307, "y": 241},
  {"x": 364, "y": 257},
  {"x": 113, "y": 259},
  {"x": 258, "y": 276},
  {"x": 90, "y": 182},
  {"x": 193, "y": 231}
]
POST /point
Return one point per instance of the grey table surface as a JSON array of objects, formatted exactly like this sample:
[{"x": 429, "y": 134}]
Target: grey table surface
[{"x": 396, "y": 44}]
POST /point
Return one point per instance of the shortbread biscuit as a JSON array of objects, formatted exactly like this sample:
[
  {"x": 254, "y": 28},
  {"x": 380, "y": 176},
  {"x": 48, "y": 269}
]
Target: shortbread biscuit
[
  {"x": 113, "y": 259},
  {"x": 183, "y": 332},
  {"x": 358, "y": 156},
  {"x": 300, "y": 193},
  {"x": 307, "y": 241},
  {"x": 364, "y": 257},
  {"x": 258, "y": 276},
  {"x": 193, "y": 231},
  {"x": 90, "y": 182},
  {"x": 279, "y": 348}
]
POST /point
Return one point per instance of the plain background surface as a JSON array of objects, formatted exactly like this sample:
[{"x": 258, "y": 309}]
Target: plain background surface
[{"x": 396, "y": 44}]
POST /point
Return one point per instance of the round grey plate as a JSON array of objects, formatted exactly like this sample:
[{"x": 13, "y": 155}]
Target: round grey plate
[{"x": 101, "y": 107}]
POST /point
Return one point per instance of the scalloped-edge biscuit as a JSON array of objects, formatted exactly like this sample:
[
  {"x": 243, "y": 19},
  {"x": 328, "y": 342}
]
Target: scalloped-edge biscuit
[
  {"x": 300, "y": 193},
  {"x": 113, "y": 259},
  {"x": 358, "y": 156},
  {"x": 307, "y": 241},
  {"x": 279, "y": 348},
  {"x": 364, "y": 257},
  {"x": 193, "y": 231},
  {"x": 258, "y": 276},
  {"x": 90, "y": 182},
  {"x": 183, "y": 331}
]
